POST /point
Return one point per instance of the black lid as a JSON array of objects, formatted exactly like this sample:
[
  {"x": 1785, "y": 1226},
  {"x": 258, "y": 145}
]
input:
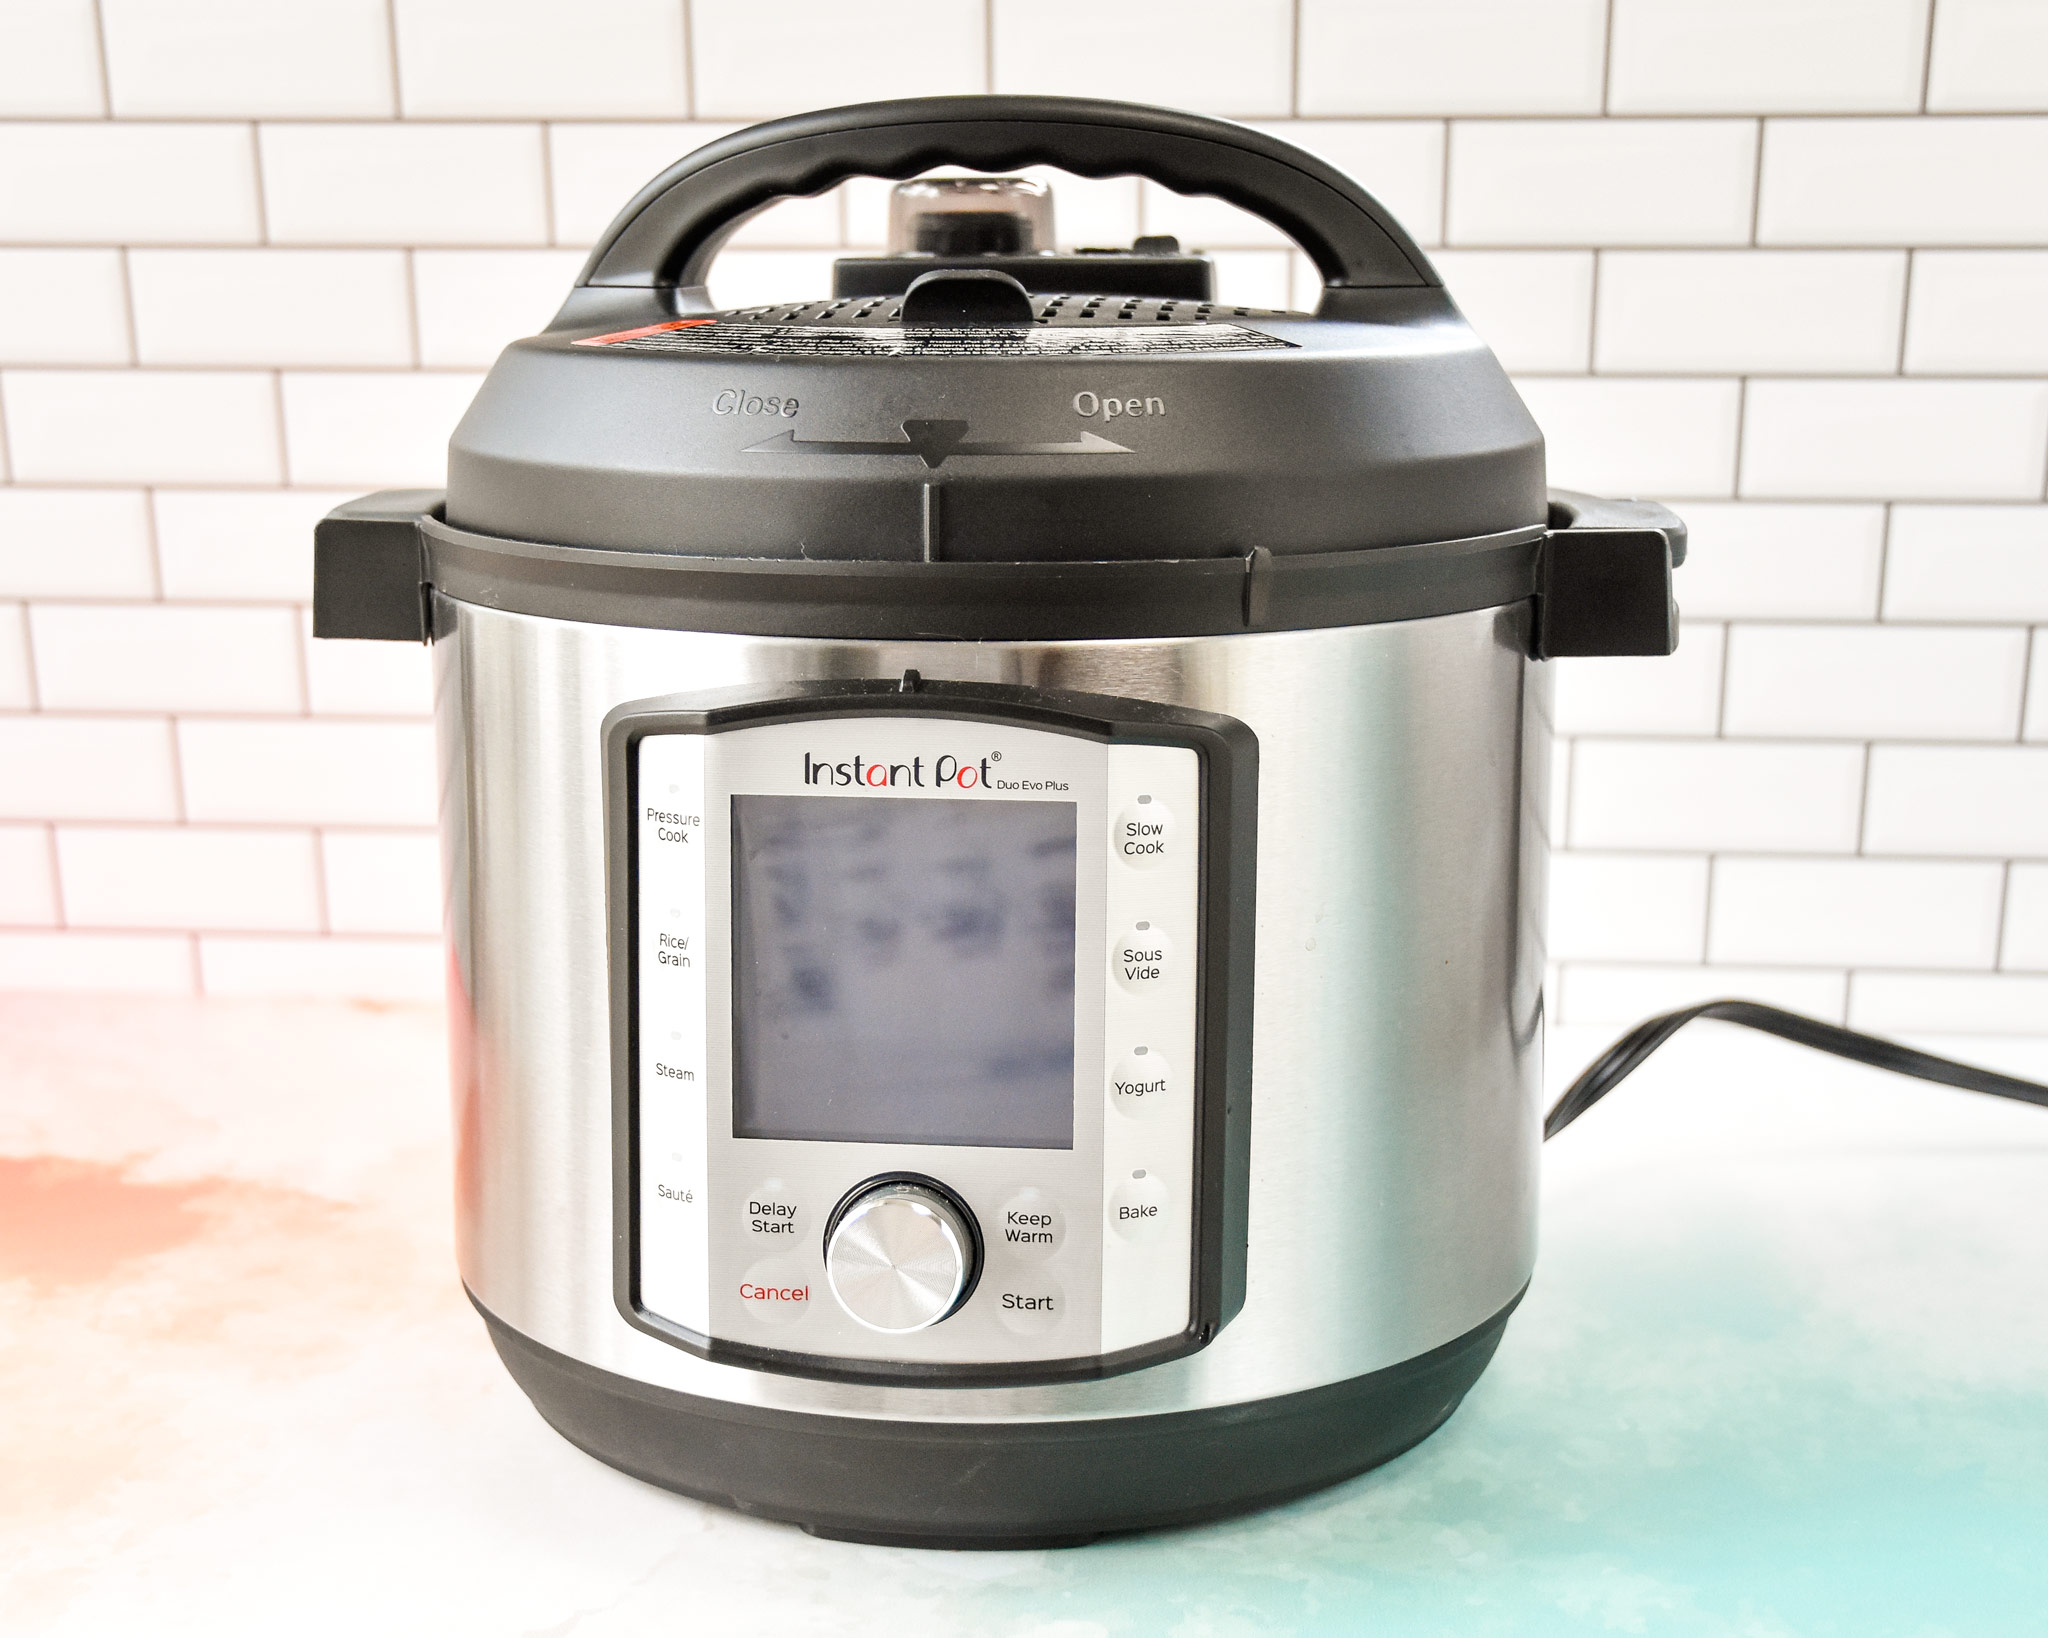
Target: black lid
[{"x": 992, "y": 424}]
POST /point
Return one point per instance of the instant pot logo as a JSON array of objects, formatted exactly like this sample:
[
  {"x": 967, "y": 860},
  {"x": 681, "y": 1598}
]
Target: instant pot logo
[
  {"x": 950, "y": 773},
  {"x": 932, "y": 442}
]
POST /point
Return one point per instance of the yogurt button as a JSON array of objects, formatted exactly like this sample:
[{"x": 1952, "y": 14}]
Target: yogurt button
[
  {"x": 1138, "y": 1206},
  {"x": 1141, "y": 1083},
  {"x": 1143, "y": 957},
  {"x": 1144, "y": 833}
]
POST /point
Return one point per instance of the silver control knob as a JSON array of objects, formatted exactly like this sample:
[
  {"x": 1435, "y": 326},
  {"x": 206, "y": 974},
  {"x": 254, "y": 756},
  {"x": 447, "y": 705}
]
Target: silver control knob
[{"x": 900, "y": 1256}]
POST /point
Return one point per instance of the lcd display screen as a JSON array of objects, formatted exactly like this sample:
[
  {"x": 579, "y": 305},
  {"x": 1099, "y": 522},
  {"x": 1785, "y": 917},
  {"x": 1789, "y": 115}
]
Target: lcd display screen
[{"x": 903, "y": 970}]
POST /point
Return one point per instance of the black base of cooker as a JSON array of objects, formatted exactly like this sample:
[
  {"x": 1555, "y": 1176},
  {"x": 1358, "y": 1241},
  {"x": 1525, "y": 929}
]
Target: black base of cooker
[{"x": 1013, "y": 1484}]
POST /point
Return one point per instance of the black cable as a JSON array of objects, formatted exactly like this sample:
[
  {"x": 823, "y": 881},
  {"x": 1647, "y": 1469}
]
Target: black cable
[{"x": 1622, "y": 1059}]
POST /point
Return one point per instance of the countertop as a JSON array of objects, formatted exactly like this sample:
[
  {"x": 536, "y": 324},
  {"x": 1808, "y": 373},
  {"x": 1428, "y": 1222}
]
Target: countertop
[{"x": 1783, "y": 1370}]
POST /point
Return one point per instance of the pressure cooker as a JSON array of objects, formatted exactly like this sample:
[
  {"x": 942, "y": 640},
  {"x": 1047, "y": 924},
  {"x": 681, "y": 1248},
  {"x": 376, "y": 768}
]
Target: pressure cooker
[{"x": 995, "y": 837}]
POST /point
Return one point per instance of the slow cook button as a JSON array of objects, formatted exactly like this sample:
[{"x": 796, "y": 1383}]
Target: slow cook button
[
  {"x": 1143, "y": 958},
  {"x": 776, "y": 1290},
  {"x": 1144, "y": 833},
  {"x": 1032, "y": 1225},
  {"x": 1137, "y": 1208},
  {"x": 1141, "y": 1083},
  {"x": 771, "y": 1215},
  {"x": 1030, "y": 1307}
]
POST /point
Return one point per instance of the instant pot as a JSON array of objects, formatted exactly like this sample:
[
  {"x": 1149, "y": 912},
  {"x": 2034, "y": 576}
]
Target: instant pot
[{"x": 995, "y": 837}]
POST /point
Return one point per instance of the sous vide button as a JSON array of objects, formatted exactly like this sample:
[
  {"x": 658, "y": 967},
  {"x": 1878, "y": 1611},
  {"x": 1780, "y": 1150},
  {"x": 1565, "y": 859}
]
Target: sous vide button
[{"x": 1142, "y": 958}]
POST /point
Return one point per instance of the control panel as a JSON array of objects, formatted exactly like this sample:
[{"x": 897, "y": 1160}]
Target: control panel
[{"x": 925, "y": 1017}]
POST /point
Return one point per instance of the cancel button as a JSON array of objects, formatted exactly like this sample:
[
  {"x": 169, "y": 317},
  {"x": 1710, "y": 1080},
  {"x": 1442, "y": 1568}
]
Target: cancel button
[{"x": 1030, "y": 1308}]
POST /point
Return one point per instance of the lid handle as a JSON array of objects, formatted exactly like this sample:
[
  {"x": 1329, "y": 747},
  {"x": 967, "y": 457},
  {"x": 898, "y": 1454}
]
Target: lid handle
[{"x": 673, "y": 228}]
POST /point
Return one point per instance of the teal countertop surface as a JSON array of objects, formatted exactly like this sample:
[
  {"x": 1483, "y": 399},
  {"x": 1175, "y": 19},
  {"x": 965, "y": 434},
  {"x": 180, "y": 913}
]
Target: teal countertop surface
[{"x": 1783, "y": 1370}]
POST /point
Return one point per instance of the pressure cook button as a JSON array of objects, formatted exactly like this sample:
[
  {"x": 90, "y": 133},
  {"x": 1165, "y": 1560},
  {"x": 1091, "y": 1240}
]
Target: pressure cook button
[
  {"x": 1030, "y": 1307},
  {"x": 776, "y": 1290},
  {"x": 1144, "y": 833},
  {"x": 1141, "y": 1083},
  {"x": 771, "y": 1215},
  {"x": 1031, "y": 1225},
  {"x": 1137, "y": 1208},
  {"x": 1143, "y": 958}
]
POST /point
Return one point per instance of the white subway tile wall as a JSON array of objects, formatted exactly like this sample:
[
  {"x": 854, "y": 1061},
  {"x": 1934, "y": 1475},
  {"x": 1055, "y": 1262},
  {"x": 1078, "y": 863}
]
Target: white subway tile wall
[{"x": 1782, "y": 266}]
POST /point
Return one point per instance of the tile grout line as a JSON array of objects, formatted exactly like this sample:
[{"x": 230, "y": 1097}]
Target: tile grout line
[
  {"x": 1607, "y": 62},
  {"x": 1927, "y": 55},
  {"x": 1906, "y": 308},
  {"x": 99, "y": 40},
  {"x": 988, "y": 45},
  {"x": 1294, "y": 61},
  {"x": 56, "y": 875},
  {"x": 28, "y": 658},
  {"x": 391, "y": 50},
  {"x": 1444, "y": 188},
  {"x": 547, "y": 187},
  {"x": 123, "y": 255},
  {"x": 1998, "y": 928},
  {"x": 412, "y": 309},
  {"x": 1756, "y": 187},
  {"x": 689, "y": 62}
]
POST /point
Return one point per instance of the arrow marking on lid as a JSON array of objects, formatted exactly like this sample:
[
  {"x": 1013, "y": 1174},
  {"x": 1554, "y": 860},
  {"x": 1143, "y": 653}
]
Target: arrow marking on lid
[{"x": 932, "y": 442}]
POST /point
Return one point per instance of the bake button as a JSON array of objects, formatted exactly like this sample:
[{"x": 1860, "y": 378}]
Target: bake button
[
  {"x": 1141, "y": 1083},
  {"x": 1143, "y": 958},
  {"x": 1137, "y": 1209},
  {"x": 1144, "y": 833},
  {"x": 771, "y": 1216},
  {"x": 1030, "y": 1307},
  {"x": 1031, "y": 1224},
  {"x": 776, "y": 1290}
]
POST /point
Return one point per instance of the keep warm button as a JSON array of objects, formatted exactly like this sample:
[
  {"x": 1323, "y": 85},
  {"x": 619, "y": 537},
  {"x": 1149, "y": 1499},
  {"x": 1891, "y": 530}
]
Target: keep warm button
[{"x": 1143, "y": 958}]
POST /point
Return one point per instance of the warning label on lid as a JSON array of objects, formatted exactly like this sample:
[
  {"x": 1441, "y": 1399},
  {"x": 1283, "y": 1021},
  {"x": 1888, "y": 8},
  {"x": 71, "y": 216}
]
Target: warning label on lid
[{"x": 727, "y": 338}]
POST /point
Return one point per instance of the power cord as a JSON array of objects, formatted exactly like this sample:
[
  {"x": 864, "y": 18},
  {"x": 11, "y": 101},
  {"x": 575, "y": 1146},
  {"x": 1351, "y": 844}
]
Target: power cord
[{"x": 1622, "y": 1059}]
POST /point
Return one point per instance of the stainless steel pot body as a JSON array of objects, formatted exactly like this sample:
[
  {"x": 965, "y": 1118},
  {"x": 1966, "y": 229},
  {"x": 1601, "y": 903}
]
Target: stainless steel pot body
[{"x": 1398, "y": 1004}]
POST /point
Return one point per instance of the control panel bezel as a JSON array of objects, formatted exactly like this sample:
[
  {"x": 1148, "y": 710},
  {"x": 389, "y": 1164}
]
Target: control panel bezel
[{"x": 1224, "y": 826}]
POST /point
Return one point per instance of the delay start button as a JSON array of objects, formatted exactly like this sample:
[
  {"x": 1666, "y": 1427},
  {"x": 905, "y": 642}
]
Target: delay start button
[
  {"x": 1143, "y": 958},
  {"x": 771, "y": 1215},
  {"x": 1144, "y": 833},
  {"x": 1137, "y": 1207}
]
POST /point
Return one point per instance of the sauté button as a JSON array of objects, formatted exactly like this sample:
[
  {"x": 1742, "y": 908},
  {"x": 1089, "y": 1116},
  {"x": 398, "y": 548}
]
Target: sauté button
[
  {"x": 1144, "y": 833},
  {"x": 1031, "y": 1225},
  {"x": 776, "y": 1290},
  {"x": 1030, "y": 1307},
  {"x": 1137, "y": 1208},
  {"x": 1141, "y": 1083},
  {"x": 1143, "y": 957}
]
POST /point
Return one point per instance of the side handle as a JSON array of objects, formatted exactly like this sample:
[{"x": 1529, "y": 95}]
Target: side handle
[
  {"x": 1603, "y": 578},
  {"x": 369, "y": 567}
]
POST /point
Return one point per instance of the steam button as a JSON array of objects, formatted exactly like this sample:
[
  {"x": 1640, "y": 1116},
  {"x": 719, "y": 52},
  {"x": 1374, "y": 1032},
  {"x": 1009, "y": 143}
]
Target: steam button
[
  {"x": 1144, "y": 833},
  {"x": 1143, "y": 958},
  {"x": 1138, "y": 1207}
]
